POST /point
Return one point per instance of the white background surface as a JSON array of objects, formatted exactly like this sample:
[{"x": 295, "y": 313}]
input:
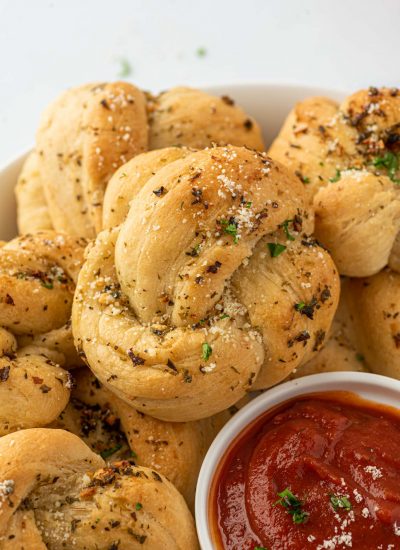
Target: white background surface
[{"x": 46, "y": 46}]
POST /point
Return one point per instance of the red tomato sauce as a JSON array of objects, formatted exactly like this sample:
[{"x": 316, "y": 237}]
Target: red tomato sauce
[{"x": 339, "y": 458}]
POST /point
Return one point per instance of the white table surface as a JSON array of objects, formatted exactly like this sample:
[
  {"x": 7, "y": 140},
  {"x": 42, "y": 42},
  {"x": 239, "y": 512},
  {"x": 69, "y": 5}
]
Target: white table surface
[{"x": 46, "y": 46}]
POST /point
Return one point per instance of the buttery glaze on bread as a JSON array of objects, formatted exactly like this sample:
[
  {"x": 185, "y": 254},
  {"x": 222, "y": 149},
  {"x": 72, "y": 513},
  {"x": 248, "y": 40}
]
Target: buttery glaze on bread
[
  {"x": 346, "y": 157},
  {"x": 178, "y": 309},
  {"x": 89, "y": 131},
  {"x": 117, "y": 431},
  {"x": 56, "y": 493}
]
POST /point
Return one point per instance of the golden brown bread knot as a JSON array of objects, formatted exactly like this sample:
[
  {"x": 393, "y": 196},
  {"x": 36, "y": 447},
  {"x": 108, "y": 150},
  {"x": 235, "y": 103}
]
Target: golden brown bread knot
[
  {"x": 32, "y": 212},
  {"x": 347, "y": 157},
  {"x": 211, "y": 278},
  {"x": 117, "y": 431},
  {"x": 374, "y": 308},
  {"x": 192, "y": 118},
  {"x": 33, "y": 389},
  {"x": 88, "y": 132},
  {"x": 37, "y": 282},
  {"x": 56, "y": 493},
  {"x": 84, "y": 136}
]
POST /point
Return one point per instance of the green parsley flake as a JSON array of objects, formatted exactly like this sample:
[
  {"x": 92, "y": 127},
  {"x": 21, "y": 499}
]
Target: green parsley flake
[
  {"x": 285, "y": 226},
  {"x": 201, "y": 52},
  {"x": 126, "y": 68},
  {"x": 138, "y": 506},
  {"x": 390, "y": 162},
  {"x": 340, "y": 502},
  {"x": 360, "y": 357},
  {"x": 224, "y": 316},
  {"x": 206, "y": 351},
  {"x": 108, "y": 452},
  {"x": 230, "y": 228},
  {"x": 336, "y": 177},
  {"x": 260, "y": 548},
  {"x": 275, "y": 249},
  {"x": 293, "y": 506}
]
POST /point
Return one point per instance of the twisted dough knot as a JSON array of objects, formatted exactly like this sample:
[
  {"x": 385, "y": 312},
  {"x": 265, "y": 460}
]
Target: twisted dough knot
[
  {"x": 373, "y": 307},
  {"x": 62, "y": 496},
  {"x": 347, "y": 156},
  {"x": 37, "y": 281},
  {"x": 194, "y": 299},
  {"x": 89, "y": 131},
  {"x": 116, "y": 431}
]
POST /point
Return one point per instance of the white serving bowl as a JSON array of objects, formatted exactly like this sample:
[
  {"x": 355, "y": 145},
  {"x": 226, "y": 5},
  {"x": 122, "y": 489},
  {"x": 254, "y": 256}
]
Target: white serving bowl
[
  {"x": 373, "y": 387},
  {"x": 267, "y": 103}
]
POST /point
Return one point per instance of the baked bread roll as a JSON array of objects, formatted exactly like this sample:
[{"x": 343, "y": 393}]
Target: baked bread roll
[
  {"x": 89, "y": 131},
  {"x": 32, "y": 210},
  {"x": 211, "y": 278},
  {"x": 84, "y": 136},
  {"x": 374, "y": 305},
  {"x": 347, "y": 157},
  {"x": 192, "y": 118},
  {"x": 56, "y": 493},
  {"x": 37, "y": 281},
  {"x": 116, "y": 431},
  {"x": 33, "y": 389}
]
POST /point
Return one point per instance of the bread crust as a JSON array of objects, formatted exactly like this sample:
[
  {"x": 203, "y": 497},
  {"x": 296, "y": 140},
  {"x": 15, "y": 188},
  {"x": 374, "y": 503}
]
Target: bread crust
[
  {"x": 71, "y": 499},
  {"x": 343, "y": 154},
  {"x": 143, "y": 320}
]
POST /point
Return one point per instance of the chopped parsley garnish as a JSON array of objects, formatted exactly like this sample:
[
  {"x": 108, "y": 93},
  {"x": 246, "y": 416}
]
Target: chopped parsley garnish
[
  {"x": 133, "y": 454},
  {"x": 248, "y": 204},
  {"x": 275, "y": 249},
  {"x": 108, "y": 452},
  {"x": 126, "y": 68},
  {"x": 206, "y": 351},
  {"x": 260, "y": 548},
  {"x": 390, "y": 161},
  {"x": 201, "y": 52},
  {"x": 293, "y": 506},
  {"x": 224, "y": 316},
  {"x": 340, "y": 502},
  {"x": 360, "y": 357},
  {"x": 336, "y": 177},
  {"x": 230, "y": 227},
  {"x": 285, "y": 226},
  {"x": 138, "y": 506}
]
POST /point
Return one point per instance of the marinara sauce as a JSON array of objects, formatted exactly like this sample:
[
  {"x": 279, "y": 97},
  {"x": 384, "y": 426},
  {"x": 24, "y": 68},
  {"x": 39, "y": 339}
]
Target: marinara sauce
[{"x": 321, "y": 471}]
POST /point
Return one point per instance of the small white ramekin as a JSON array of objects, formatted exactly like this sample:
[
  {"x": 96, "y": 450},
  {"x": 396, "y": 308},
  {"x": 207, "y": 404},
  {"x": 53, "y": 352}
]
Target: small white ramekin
[{"x": 373, "y": 387}]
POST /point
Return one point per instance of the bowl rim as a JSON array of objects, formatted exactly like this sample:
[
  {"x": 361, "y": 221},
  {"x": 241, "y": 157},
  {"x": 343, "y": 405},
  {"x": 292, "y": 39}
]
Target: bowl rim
[{"x": 372, "y": 387}]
